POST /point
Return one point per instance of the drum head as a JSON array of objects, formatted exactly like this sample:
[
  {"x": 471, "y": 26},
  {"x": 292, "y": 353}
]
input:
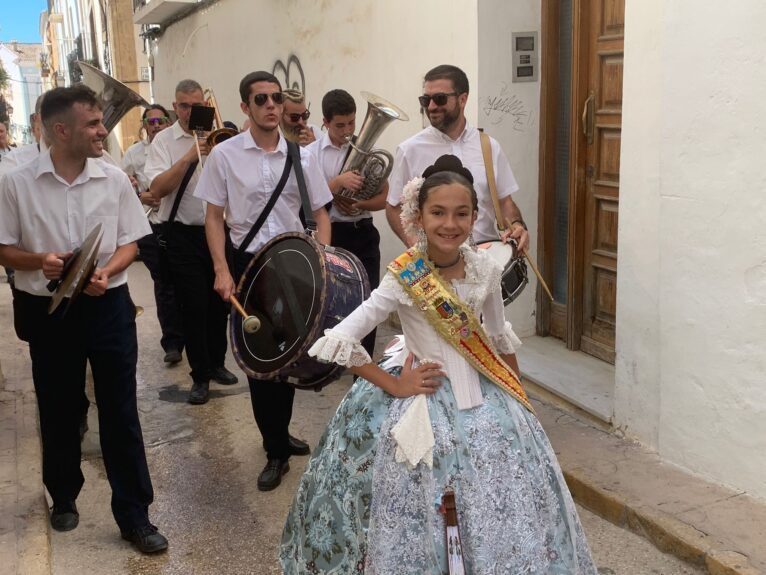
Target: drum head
[{"x": 284, "y": 288}]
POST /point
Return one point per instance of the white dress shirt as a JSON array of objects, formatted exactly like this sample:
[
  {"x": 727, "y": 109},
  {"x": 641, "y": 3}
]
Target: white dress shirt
[
  {"x": 331, "y": 159},
  {"x": 414, "y": 155},
  {"x": 133, "y": 164},
  {"x": 167, "y": 148},
  {"x": 18, "y": 157},
  {"x": 240, "y": 176},
  {"x": 40, "y": 212}
]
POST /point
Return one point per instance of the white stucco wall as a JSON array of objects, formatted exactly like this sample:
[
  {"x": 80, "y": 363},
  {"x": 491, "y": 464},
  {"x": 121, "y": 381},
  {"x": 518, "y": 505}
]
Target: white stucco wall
[
  {"x": 388, "y": 55},
  {"x": 692, "y": 269},
  {"x": 510, "y": 113}
]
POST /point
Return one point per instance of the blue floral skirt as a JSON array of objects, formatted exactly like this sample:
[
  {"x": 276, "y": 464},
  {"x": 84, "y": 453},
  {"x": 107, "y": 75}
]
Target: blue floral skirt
[{"x": 359, "y": 511}]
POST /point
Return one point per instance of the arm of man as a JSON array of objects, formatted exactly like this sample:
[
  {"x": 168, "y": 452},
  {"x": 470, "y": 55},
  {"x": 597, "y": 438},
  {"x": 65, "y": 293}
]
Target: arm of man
[
  {"x": 166, "y": 182},
  {"x": 119, "y": 262},
  {"x": 393, "y": 215},
  {"x": 512, "y": 213},
  {"x": 324, "y": 227},
  {"x": 50, "y": 263},
  {"x": 215, "y": 232}
]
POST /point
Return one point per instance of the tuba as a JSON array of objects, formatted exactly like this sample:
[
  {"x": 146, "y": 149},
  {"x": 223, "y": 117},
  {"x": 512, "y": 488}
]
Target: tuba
[
  {"x": 117, "y": 99},
  {"x": 373, "y": 164}
]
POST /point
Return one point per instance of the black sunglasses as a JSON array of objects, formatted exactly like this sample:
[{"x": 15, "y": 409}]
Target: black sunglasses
[
  {"x": 296, "y": 117},
  {"x": 276, "y": 97},
  {"x": 439, "y": 99}
]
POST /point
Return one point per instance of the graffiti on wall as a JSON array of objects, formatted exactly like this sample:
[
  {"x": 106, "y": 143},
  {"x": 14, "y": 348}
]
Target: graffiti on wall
[
  {"x": 507, "y": 106},
  {"x": 291, "y": 75}
]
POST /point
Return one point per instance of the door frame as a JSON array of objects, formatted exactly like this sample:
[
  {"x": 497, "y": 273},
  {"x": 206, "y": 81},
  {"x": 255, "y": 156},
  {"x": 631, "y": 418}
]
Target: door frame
[{"x": 549, "y": 313}]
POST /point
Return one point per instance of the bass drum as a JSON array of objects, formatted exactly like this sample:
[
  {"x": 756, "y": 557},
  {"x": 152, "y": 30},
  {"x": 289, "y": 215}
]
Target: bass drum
[{"x": 297, "y": 288}]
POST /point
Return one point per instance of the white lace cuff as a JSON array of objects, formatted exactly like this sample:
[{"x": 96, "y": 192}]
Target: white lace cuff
[
  {"x": 339, "y": 348},
  {"x": 506, "y": 342}
]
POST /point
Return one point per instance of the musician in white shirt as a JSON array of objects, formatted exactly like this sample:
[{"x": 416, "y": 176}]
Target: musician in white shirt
[
  {"x": 172, "y": 160},
  {"x": 239, "y": 178},
  {"x": 445, "y": 93},
  {"x": 155, "y": 119},
  {"x": 47, "y": 207}
]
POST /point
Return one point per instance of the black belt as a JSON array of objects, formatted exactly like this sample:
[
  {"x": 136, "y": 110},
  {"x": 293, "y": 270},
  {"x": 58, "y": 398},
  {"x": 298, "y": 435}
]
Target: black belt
[{"x": 365, "y": 223}]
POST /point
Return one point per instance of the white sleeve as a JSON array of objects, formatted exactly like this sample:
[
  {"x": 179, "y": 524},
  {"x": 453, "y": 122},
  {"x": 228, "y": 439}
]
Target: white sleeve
[
  {"x": 498, "y": 329},
  {"x": 212, "y": 183},
  {"x": 127, "y": 163},
  {"x": 132, "y": 223},
  {"x": 158, "y": 160},
  {"x": 10, "y": 225},
  {"x": 506, "y": 182},
  {"x": 319, "y": 192},
  {"x": 342, "y": 344},
  {"x": 400, "y": 175}
]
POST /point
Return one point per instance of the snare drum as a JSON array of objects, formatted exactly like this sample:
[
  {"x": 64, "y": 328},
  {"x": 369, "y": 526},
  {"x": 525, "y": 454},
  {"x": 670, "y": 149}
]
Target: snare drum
[
  {"x": 297, "y": 288},
  {"x": 514, "y": 277}
]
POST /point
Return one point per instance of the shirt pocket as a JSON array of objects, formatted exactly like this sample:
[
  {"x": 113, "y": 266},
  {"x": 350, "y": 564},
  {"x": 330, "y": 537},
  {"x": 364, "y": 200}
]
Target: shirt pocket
[{"x": 109, "y": 237}]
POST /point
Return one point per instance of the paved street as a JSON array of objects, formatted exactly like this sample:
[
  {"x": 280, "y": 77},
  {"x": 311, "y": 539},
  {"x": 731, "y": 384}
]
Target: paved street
[{"x": 204, "y": 462}]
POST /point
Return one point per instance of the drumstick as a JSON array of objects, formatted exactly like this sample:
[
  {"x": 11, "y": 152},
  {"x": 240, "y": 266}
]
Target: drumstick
[
  {"x": 533, "y": 266},
  {"x": 196, "y": 143},
  {"x": 250, "y": 323}
]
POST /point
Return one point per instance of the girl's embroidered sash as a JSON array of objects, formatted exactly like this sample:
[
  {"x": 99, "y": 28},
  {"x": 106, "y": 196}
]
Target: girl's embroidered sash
[{"x": 453, "y": 320}]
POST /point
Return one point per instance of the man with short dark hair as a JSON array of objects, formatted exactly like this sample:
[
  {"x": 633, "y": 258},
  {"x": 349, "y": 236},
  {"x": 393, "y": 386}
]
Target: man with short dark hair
[
  {"x": 239, "y": 178},
  {"x": 445, "y": 94},
  {"x": 295, "y": 117},
  {"x": 172, "y": 171},
  {"x": 352, "y": 226},
  {"x": 155, "y": 119},
  {"x": 47, "y": 208}
]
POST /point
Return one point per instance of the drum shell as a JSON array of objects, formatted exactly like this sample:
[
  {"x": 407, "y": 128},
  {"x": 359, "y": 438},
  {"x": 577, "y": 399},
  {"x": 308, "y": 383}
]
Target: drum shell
[
  {"x": 341, "y": 286},
  {"x": 514, "y": 277}
]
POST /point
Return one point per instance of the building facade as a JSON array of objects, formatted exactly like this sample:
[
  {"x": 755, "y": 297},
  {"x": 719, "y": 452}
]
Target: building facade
[{"x": 21, "y": 61}]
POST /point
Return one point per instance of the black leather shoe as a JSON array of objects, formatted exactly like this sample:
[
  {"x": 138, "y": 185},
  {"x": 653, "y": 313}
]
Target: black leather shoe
[
  {"x": 200, "y": 392},
  {"x": 172, "y": 357},
  {"x": 271, "y": 476},
  {"x": 64, "y": 516},
  {"x": 146, "y": 539},
  {"x": 298, "y": 447},
  {"x": 223, "y": 376}
]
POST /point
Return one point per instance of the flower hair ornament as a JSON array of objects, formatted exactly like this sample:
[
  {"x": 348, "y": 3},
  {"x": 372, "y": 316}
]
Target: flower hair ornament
[{"x": 410, "y": 210}]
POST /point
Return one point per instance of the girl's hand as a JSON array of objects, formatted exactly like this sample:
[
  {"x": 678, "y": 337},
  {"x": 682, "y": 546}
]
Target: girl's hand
[{"x": 422, "y": 379}]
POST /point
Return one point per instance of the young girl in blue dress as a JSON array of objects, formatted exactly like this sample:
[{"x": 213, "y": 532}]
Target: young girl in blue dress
[{"x": 453, "y": 419}]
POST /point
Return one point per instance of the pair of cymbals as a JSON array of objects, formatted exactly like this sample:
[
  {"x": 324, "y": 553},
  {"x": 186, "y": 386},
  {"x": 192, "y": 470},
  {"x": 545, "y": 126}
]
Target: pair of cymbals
[{"x": 78, "y": 269}]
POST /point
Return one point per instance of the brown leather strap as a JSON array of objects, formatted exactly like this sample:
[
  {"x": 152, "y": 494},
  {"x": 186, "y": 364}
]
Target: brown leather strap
[{"x": 486, "y": 151}]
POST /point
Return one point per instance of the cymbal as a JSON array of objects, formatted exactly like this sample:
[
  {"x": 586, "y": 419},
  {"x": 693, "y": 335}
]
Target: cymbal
[{"x": 79, "y": 271}]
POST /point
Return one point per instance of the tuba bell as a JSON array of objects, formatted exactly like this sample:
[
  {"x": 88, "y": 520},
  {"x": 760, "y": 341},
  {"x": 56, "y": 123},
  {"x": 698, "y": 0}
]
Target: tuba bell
[
  {"x": 373, "y": 164},
  {"x": 117, "y": 99}
]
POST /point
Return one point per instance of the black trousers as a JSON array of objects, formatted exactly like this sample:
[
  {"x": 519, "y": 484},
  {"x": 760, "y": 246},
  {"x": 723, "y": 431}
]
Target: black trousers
[
  {"x": 164, "y": 293},
  {"x": 272, "y": 401},
  {"x": 203, "y": 312},
  {"x": 102, "y": 331},
  {"x": 362, "y": 239}
]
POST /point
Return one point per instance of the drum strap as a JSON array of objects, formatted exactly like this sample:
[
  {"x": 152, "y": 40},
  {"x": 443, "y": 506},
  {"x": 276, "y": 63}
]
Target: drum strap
[
  {"x": 267, "y": 209},
  {"x": 295, "y": 151},
  {"x": 486, "y": 151},
  {"x": 181, "y": 189}
]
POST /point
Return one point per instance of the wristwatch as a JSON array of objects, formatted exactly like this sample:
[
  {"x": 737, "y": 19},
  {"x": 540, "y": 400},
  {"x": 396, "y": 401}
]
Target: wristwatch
[{"x": 523, "y": 225}]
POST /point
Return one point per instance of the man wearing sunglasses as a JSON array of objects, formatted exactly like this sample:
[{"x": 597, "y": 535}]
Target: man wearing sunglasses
[
  {"x": 445, "y": 93},
  {"x": 239, "y": 178},
  {"x": 154, "y": 120},
  {"x": 295, "y": 117},
  {"x": 172, "y": 171}
]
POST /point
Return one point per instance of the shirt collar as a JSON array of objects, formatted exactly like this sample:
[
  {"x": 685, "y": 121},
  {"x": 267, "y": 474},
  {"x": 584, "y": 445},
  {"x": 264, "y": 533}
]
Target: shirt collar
[
  {"x": 178, "y": 131},
  {"x": 248, "y": 143},
  {"x": 92, "y": 169},
  {"x": 326, "y": 142},
  {"x": 464, "y": 135}
]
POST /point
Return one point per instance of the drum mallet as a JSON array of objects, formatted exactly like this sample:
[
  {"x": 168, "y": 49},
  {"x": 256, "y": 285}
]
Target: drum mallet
[
  {"x": 250, "y": 323},
  {"x": 533, "y": 266}
]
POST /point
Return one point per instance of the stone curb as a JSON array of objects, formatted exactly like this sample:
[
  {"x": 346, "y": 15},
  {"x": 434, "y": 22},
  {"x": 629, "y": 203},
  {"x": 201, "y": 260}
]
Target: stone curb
[{"x": 668, "y": 534}]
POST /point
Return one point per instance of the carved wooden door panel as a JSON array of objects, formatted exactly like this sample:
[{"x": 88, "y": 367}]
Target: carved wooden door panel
[{"x": 601, "y": 125}]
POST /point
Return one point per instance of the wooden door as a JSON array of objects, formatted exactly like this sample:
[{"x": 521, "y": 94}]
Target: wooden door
[
  {"x": 583, "y": 44},
  {"x": 602, "y": 115}
]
